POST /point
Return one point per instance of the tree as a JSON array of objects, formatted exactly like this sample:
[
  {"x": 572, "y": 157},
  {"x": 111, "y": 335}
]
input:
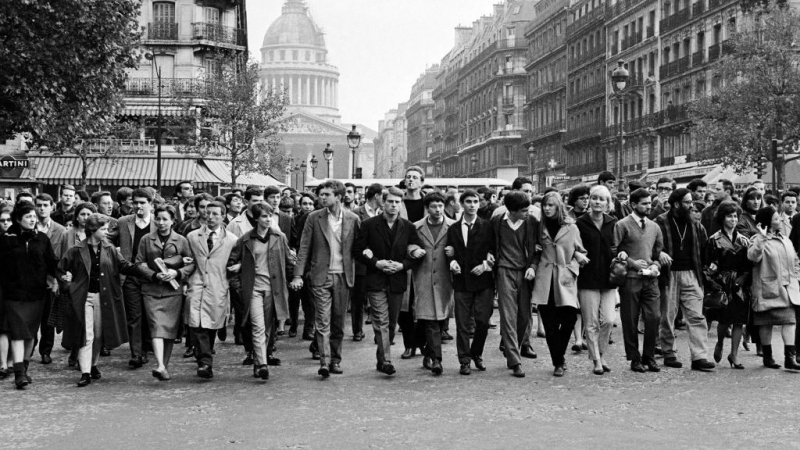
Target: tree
[
  {"x": 240, "y": 121},
  {"x": 63, "y": 65},
  {"x": 759, "y": 95}
]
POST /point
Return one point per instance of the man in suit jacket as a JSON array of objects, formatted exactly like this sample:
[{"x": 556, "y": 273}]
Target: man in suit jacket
[
  {"x": 131, "y": 230},
  {"x": 184, "y": 191},
  {"x": 470, "y": 246},
  {"x": 280, "y": 221},
  {"x": 206, "y": 306},
  {"x": 55, "y": 232},
  {"x": 371, "y": 208},
  {"x": 382, "y": 246},
  {"x": 327, "y": 246}
]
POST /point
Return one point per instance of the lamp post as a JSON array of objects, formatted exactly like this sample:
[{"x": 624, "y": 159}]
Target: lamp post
[
  {"x": 296, "y": 170},
  {"x": 150, "y": 57},
  {"x": 303, "y": 170},
  {"x": 353, "y": 141},
  {"x": 438, "y": 167},
  {"x": 619, "y": 81},
  {"x": 474, "y": 162},
  {"x": 314, "y": 163},
  {"x": 328, "y": 155}
]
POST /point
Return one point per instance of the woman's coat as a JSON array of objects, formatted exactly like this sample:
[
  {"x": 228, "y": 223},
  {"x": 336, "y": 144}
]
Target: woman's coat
[{"x": 557, "y": 267}]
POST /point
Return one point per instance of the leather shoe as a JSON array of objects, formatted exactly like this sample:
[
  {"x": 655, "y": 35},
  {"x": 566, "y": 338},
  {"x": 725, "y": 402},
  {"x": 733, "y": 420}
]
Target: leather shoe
[
  {"x": 651, "y": 364},
  {"x": 528, "y": 352},
  {"x": 446, "y": 336},
  {"x": 636, "y": 366},
  {"x": 46, "y": 359},
  {"x": 248, "y": 360},
  {"x": 161, "y": 375},
  {"x": 673, "y": 362},
  {"x": 659, "y": 351},
  {"x": 358, "y": 336},
  {"x": 292, "y": 333},
  {"x": 222, "y": 334},
  {"x": 703, "y": 365},
  {"x": 85, "y": 380},
  {"x": 558, "y": 372},
  {"x": 262, "y": 372},
  {"x": 426, "y": 363},
  {"x": 273, "y": 361},
  {"x": 465, "y": 369},
  {"x": 518, "y": 372},
  {"x": 387, "y": 368},
  {"x": 136, "y": 362},
  {"x": 324, "y": 372},
  {"x": 479, "y": 363},
  {"x": 106, "y": 352},
  {"x": 95, "y": 373},
  {"x": 204, "y": 371},
  {"x": 436, "y": 367},
  {"x": 335, "y": 369},
  {"x": 409, "y": 353},
  {"x": 189, "y": 353}
]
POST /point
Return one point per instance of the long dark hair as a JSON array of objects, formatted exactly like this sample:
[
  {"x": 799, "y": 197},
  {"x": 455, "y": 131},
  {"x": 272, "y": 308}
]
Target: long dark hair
[{"x": 751, "y": 192}]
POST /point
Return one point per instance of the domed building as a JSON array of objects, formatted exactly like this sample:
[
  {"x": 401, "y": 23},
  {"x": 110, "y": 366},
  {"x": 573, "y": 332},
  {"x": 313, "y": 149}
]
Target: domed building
[{"x": 294, "y": 58}]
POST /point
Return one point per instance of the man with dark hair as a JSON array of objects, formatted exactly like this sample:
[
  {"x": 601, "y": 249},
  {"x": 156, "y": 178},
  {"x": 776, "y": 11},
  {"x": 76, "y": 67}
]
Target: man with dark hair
[
  {"x": 787, "y": 211},
  {"x": 132, "y": 229},
  {"x": 327, "y": 250},
  {"x": 358, "y": 300},
  {"x": 66, "y": 207},
  {"x": 524, "y": 185},
  {"x": 470, "y": 245},
  {"x": 286, "y": 206},
  {"x": 349, "y": 196},
  {"x": 234, "y": 204},
  {"x": 516, "y": 237},
  {"x": 488, "y": 197},
  {"x": 56, "y": 233},
  {"x": 638, "y": 241},
  {"x": 607, "y": 179},
  {"x": 382, "y": 246},
  {"x": 124, "y": 202},
  {"x": 682, "y": 278},
  {"x": 708, "y": 214},
  {"x": 184, "y": 192},
  {"x": 698, "y": 188},
  {"x": 24, "y": 195},
  {"x": 200, "y": 202},
  {"x": 280, "y": 220},
  {"x": 664, "y": 187},
  {"x": 245, "y": 222}
]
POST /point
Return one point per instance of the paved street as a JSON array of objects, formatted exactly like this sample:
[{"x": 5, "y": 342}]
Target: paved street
[{"x": 128, "y": 409}]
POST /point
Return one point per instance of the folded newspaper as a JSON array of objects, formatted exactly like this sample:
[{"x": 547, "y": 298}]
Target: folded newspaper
[{"x": 163, "y": 269}]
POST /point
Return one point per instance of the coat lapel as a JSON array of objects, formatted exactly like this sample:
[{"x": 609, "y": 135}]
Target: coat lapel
[
  {"x": 426, "y": 232},
  {"x": 561, "y": 232},
  {"x": 324, "y": 226},
  {"x": 251, "y": 245},
  {"x": 85, "y": 257},
  {"x": 131, "y": 227},
  {"x": 347, "y": 225}
]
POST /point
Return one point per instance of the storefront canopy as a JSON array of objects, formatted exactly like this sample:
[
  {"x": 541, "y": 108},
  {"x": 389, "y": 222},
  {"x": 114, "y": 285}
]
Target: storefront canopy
[{"x": 222, "y": 170}]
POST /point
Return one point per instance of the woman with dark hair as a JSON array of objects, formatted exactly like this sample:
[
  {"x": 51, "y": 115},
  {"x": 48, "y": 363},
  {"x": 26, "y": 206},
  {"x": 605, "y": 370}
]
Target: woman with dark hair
[
  {"x": 96, "y": 314},
  {"x": 556, "y": 283},
  {"x": 26, "y": 259},
  {"x": 5, "y": 224},
  {"x": 728, "y": 270},
  {"x": 77, "y": 233},
  {"x": 578, "y": 203},
  {"x": 751, "y": 202},
  {"x": 163, "y": 295},
  {"x": 775, "y": 286}
]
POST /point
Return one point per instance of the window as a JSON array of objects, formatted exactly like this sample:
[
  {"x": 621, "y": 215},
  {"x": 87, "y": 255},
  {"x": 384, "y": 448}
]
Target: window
[
  {"x": 212, "y": 15},
  {"x": 164, "y": 12},
  {"x": 308, "y": 56}
]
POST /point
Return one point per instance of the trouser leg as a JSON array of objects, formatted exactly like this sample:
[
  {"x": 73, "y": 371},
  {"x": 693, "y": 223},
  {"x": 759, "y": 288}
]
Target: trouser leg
[
  {"x": 258, "y": 327},
  {"x": 48, "y": 332},
  {"x": 85, "y": 352},
  {"x": 590, "y": 311},
  {"x": 132, "y": 294},
  {"x": 507, "y": 288},
  {"x": 323, "y": 300},
  {"x": 433, "y": 338},
  {"x": 482, "y": 308},
  {"x": 339, "y": 302},
  {"x": 357, "y": 305},
  {"x": 649, "y": 302},
  {"x": 204, "y": 344},
  {"x": 463, "y": 313},
  {"x": 379, "y": 312},
  {"x": 629, "y": 316},
  {"x": 669, "y": 309},
  {"x": 691, "y": 303}
]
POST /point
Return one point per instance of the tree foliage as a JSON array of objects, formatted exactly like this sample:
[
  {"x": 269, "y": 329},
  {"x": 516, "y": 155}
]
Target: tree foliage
[
  {"x": 240, "y": 121},
  {"x": 63, "y": 66},
  {"x": 759, "y": 94}
]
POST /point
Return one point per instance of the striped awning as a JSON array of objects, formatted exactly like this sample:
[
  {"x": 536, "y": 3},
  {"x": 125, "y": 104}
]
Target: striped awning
[
  {"x": 222, "y": 170},
  {"x": 117, "y": 171},
  {"x": 152, "y": 111}
]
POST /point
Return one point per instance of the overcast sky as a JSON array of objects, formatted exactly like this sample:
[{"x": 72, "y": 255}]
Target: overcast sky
[{"x": 379, "y": 46}]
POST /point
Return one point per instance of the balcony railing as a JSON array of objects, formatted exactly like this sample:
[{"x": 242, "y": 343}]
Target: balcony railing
[
  {"x": 714, "y": 52},
  {"x": 585, "y": 169},
  {"x": 129, "y": 146},
  {"x": 170, "y": 87},
  {"x": 588, "y": 56},
  {"x": 584, "y": 132},
  {"x": 674, "y": 21},
  {"x": 697, "y": 58},
  {"x": 162, "y": 31},
  {"x": 546, "y": 130},
  {"x": 671, "y": 115},
  {"x": 714, "y": 3},
  {"x": 508, "y": 101},
  {"x": 586, "y": 94},
  {"x": 219, "y": 33},
  {"x": 698, "y": 8},
  {"x": 631, "y": 40},
  {"x": 620, "y": 7},
  {"x": 576, "y": 26},
  {"x": 651, "y": 31},
  {"x": 546, "y": 87}
]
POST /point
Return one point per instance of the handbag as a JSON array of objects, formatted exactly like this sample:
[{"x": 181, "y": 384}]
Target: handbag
[
  {"x": 715, "y": 300},
  {"x": 618, "y": 273}
]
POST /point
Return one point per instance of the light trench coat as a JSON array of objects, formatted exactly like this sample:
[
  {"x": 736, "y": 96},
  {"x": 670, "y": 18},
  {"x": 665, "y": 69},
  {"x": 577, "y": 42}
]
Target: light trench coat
[
  {"x": 775, "y": 272},
  {"x": 207, "y": 298},
  {"x": 557, "y": 267},
  {"x": 433, "y": 286}
]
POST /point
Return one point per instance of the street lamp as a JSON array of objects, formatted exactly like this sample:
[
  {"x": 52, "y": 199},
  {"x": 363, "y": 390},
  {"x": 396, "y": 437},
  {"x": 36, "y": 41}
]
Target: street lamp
[
  {"x": 314, "y": 164},
  {"x": 353, "y": 141},
  {"x": 296, "y": 170},
  {"x": 438, "y": 167},
  {"x": 150, "y": 57},
  {"x": 474, "y": 161},
  {"x": 619, "y": 81},
  {"x": 328, "y": 154},
  {"x": 303, "y": 170}
]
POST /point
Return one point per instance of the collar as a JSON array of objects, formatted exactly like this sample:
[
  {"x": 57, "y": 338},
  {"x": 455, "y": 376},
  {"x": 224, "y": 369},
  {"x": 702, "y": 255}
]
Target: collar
[
  {"x": 254, "y": 235},
  {"x": 46, "y": 227},
  {"x": 340, "y": 216},
  {"x": 508, "y": 219},
  {"x": 370, "y": 212},
  {"x": 428, "y": 221},
  {"x": 474, "y": 219}
]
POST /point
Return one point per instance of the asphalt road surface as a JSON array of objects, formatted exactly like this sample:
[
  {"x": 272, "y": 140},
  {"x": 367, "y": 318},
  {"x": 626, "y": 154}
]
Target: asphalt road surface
[{"x": 364, "y": 409}]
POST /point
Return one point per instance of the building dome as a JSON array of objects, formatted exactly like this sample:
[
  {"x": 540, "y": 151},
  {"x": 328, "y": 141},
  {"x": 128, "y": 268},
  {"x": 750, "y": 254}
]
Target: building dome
[{"x": 294, "y": 27}]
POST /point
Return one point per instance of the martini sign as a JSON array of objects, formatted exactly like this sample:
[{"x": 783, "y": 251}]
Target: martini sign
[{"x": 11, "y": 166}]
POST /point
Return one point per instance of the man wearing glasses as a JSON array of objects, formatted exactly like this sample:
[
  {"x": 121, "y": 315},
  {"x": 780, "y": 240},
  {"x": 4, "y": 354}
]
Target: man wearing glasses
[{"x": 664, "y": 188}]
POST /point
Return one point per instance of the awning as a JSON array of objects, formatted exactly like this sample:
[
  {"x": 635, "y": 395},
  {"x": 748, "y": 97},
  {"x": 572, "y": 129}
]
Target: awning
[
  {"x": 117, "y": 171},
  {"x": 678, "y": 172},
  {"x": 152, "y": 111},
  {"x": 222, "y": 170}
]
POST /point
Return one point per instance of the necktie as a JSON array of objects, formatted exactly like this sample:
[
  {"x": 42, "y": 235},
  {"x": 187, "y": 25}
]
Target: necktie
[
  {"x": 210, "y": 241},
  {"x": 643, "y": 223},
  {"x": 469, "y": 228}
]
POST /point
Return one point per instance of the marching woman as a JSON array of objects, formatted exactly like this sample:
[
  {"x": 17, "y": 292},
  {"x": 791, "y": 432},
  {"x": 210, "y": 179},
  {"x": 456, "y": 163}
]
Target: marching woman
[
  {"x": 257, "y": 267},
  {"x": 5, "y": 224},
  {"x": 775, "y": 286},
  {"x": 77, "y": 233},
  {"x": 26, "y": 259},
  {"x": 96, "y": 315},
  {"x": 162, "y": 301},
  {"x": 556, "y": 288}
]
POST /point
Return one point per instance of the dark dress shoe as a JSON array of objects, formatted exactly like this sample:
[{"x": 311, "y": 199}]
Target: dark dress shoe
[
  {"x": 20, "y": 380},
  {"x": 606, "y": 368},
  {"x": 446, "y": 336},
  {"x": 161, "y": 375},
  {"x": 189, "y": 353},
  {"x": 465, "y": 369},
  {"x": 636, "y": 366},
  {"x": 4, "y": 373},
  {"x": 222, "y": 334},
  {"x": 85, "y": 380},
  {"x": 651, "y": 364},
  {"x": 426, "y": 363},
  {"x": 95, "y": 373},
  {"x": 703, "y": 365},
  {"x": 358, "y": 336},
  {"x": 175, "y": 341},
  {"x": 46, "y": 359},
  {"x": 335, "y": 369},
  {"x": 136, "y": 362},
  {"x": 248, "y": 360},
  {"x": 105, "y": 352},
  {"x": 387, "y": 368},
  {"x": 673, "y": 362},
  {"x": 436, "y": 367},
  {"x": 273, "y": 361},
  {"x": 262, "y": 372},
  {"x": 518, "y": 372},
  {"x": 479, "y": 363},
  {"x": 292, "y": 333},
  {"x": 409, "y": 353},
  {"x": 324, "y": 372},
  {"x": 528, "y": 352},
  {"x": 599, "y": 371},
  {"x": 280, "y": 333},
  {"x": 205, "y": 371},
  {"x": 718, "y": 352},
  {"x": 576, "y": 348},
  {"x": 559, "y": 371}
]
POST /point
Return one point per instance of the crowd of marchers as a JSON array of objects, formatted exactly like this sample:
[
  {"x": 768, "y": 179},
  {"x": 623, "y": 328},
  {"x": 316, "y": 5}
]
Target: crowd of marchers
[{"x": 151, "y": 272}]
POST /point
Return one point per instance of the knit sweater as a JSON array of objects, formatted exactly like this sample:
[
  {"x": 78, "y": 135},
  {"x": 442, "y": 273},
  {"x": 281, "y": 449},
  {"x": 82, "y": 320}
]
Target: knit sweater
[{"x": 645, "y": 244}]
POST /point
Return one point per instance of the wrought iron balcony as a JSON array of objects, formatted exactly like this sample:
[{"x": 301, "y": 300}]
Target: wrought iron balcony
[
  {"x": 162, "y": 31},
  {"x": 620, "y": 7},
  {"x": 218, "y": 33},
  {"x": 591, "y": 91},
  {"x": 697, "y": 58},
  {"x": 585, "y": 169},
  {"x": 714, "y": 52},
  {"x": 674, "y": 21},
  {"x": 698, "y": 8},
  {"x": 651, "y": 31},
  {"x": 591, "y": 16},
  {"x": 631, "y": 40},
  {"x": 170, "y": 87}
]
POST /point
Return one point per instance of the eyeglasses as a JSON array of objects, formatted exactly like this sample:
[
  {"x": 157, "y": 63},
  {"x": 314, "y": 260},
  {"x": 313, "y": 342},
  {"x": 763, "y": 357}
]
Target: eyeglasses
[
  {"x": 664, "y": 189},
  {"x": 5, "y": 220},
  {"x": 584, "y": 198}
]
